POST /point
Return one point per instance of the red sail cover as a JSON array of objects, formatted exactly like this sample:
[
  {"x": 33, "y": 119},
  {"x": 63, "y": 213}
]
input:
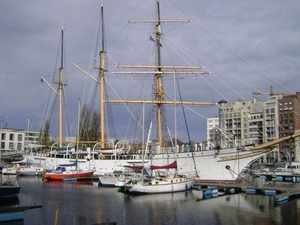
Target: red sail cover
[
  {"x": 135, "y": 167},
  {"x": 173, "y": 165}
]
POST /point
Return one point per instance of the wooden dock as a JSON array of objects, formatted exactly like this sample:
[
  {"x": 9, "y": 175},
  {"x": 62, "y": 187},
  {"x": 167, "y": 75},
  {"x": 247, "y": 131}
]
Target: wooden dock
[
  {"x": 14, "y": 213},
  {"x": 286, "y": 196},
  {"x": 281, "y": 194}
]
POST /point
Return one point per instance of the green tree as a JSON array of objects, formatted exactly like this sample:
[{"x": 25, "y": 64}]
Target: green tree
[
  {"x": 84, "y": 123},
  {"x": 44, "y": 134},
  {"x": 95, "y": 127},
  {"x": 89, "y": 125}
]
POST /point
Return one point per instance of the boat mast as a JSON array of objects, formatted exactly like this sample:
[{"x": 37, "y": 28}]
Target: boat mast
[
  {"x": 60, "y": 88},
  {"x": 159, "y": 72},
  {"x": 101, "y": 82},
  {"x": 60, "y": 85},
  {"x": 159, "y": 92}
]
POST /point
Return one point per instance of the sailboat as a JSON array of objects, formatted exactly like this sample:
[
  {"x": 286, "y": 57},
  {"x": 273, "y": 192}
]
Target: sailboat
[
  {"x": 61, "y": 172},
  {"x": 215, "y": 165},
  {"x": 161, "y": 182}
]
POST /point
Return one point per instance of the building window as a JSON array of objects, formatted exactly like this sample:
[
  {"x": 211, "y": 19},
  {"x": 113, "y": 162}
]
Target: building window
[
  {"x": 11, "y": 137},
  {"x": 2, "y": 145},
  {"x": 11, "y": 145},
  {"x": 3, "y": 136},
  {"x": 19, "y": 146},
  {"x": 20, "y": 136}
]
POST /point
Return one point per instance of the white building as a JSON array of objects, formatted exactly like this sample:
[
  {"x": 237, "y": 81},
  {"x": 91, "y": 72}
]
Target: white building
[
  {"x": 12, "y": 139},
  {"x": 271, "y": 125},
  {"x": 212, "y": 136},
  {"x": 17, "y": 139}
]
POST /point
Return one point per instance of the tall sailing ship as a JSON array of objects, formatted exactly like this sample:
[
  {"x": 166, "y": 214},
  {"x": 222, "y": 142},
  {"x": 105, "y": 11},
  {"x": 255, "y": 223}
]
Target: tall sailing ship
[{"x": 214, "y": 165}]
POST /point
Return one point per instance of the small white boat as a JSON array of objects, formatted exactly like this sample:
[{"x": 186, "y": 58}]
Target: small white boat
[
  {"x": 12, "y": 169},
  {"x": 162, "y": 182},
  {"x": 122, "y": 180},
  {"x": 160, "y": 185},
  {"x": 110, "y": 179},
  {"x": 9, "y": 170},
  {"x": 31, "y": 170},
  {"x": 290, "y": 169}
]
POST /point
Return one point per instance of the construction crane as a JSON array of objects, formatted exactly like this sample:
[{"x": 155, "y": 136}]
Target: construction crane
[{"x": 271, "y": 93}]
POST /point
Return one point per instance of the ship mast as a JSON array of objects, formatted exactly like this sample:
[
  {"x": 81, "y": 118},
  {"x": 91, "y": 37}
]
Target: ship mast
[
  {"x": 60, "y": 88},
  {"x": 159, "y": 92},
  {"x": 59, "y": 92},
  {"x": 101, "y": 82},
  {"x": 158, "y": 72}
]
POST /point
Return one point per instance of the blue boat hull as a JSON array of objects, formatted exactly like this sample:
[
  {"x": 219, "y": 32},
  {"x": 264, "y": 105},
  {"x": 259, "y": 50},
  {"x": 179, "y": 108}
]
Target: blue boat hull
[{"x": 7, "y": 191}]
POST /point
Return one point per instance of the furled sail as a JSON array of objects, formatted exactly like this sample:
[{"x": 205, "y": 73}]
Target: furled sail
[{"x": 173, "y": 165}]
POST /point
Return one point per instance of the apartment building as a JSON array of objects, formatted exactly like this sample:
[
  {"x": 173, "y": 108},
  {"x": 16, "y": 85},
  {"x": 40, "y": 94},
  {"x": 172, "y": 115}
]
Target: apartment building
[
  {"x": 240, "y": 122},
  {"x": 271, "y": 125},
  {"x": 17, "y": 139},
  {"x": 256, "y": 122},
  {"x": 12, "y": 139},
  {"x": 289, "y": 120},
  {"x": 213, "y": 137}
]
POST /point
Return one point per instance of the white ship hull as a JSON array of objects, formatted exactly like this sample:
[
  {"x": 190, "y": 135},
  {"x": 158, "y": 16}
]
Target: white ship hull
[{"x": 210, "y": 166}]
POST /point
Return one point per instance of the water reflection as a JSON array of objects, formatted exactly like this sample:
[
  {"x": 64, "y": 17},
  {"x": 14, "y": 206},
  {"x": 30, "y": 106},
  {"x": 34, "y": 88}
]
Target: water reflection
[
  {"x": 9, "y": 201},
  {"x": 84, "y": 203}
]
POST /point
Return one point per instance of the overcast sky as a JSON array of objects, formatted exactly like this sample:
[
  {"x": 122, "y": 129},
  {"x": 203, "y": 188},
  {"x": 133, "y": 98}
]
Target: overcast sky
[{"x": 245, "y": 45}]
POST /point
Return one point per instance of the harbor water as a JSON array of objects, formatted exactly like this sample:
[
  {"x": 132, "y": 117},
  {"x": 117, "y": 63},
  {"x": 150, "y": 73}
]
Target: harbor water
[{"x": 85, "y": 203}]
